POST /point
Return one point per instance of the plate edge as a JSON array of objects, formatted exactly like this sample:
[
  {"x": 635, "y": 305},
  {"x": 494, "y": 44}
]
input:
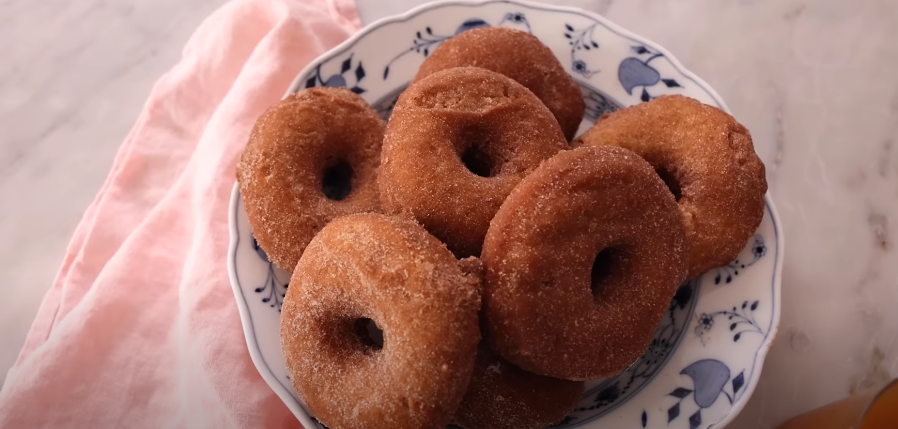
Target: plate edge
[
  {"x": 296, "y": 83},
  {"x": 764, "y": 349},
  {"x": 255, "y": 353}
]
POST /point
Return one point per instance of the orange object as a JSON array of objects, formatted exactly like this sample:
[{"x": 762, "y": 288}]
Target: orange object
[{"x": 866, "y": 410}]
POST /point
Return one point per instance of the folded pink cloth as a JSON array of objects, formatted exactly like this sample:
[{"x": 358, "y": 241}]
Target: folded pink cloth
[{"x": 140, "y": 328}]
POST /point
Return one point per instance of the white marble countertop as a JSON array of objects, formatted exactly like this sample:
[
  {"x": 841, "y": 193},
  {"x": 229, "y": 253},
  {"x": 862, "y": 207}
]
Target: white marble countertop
[
  {"x": 73, "y": 77},
  {"x": 814, "y": 81}
]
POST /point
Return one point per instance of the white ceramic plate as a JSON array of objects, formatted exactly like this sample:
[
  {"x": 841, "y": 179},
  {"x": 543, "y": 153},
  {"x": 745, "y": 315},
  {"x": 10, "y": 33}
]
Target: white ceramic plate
[{"x": 707, "y": 354}]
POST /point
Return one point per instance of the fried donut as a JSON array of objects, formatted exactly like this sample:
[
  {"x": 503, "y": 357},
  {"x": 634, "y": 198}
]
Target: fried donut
[
  {"x": 708, "y": 161},
  {"x": 392, "y": 272},
  {"x": 503, "y": 396},
  {"x": 582, "y": 261},
  {"x": 310, "y": 158},
  {"x": 520, "y": 56},
  {"x": 457, "y": 143}
]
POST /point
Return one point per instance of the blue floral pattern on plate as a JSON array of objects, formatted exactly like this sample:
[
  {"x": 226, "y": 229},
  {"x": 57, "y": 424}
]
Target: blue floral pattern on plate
[
  {"x": 425, "y": 42},
  {"x": 340, "y": 79},
  {"x": 273, "y": 290},
  {"x": 727, "y": 273},
  {"x": 717, "y": 325},
  {"x": 581, "y": 39},
  {"x": 741, "y": 320},
  {"x": 634, "y": 72},
  {"x": 709, "y": 379}
]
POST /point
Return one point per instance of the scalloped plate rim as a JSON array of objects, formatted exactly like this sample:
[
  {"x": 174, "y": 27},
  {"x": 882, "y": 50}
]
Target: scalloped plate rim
[{"x": 243, "y": 309}]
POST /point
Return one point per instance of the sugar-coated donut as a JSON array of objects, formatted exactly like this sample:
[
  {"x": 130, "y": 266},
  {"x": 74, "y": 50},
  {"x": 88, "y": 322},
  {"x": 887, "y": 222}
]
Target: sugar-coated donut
[
  {"x": 709, "y": 162},
  {"x": 503, "y": 396},
  {"x": 582, "y": 261},
  {"x": 457, "y": 143},
  {"x": 310, "y": 158},
  {"x": 520, "y": 56},
  {"x": 392, "y": 272}
]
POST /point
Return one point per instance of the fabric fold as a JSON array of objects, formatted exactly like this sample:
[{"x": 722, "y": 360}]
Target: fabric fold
[{"x": 140, "y": 328}]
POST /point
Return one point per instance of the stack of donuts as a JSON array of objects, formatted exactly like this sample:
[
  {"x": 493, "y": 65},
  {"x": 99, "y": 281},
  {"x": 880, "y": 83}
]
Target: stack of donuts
[{"x": 470, "y": 262}]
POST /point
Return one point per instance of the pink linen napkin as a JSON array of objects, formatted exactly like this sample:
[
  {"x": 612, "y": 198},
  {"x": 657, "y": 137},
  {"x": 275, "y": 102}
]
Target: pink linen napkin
[{"x": 140, "y": 328}]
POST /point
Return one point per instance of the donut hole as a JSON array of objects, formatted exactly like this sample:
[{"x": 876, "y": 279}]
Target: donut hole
[
  {"x": 477, "y": 161},
  {"x": 475, "y": 154},
  {"x": 336, "y": 182},
  {"x": 671, "y": 181},
  {"x": 368, "y": 333},
  {"x": 603, "y": 267}
]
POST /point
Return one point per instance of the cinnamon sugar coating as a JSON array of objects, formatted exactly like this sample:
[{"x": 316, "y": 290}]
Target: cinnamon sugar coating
[
  {"x": 709, "y": 157},
  {"x": 503, "y": 396},
  {"x": 391, "y": 271},
  {"x": 292, "y": 148},
  {"x": 520, "y": 56},
  {"x": 452, "y": 117},
  {"x": 549, "y": 306}
]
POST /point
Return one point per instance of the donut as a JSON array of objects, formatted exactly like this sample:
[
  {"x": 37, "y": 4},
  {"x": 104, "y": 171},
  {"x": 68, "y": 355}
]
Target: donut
[
  {"x": 311, "y": 158},
  {"x": 708, "y": 161},
  {"x": 520, "y": 56},
  {"x": 503, "y": 396},
  {"x": 370, "y": 267},
  {"x": 457, "y": 143},
  {"x": 582, "y": 261}
]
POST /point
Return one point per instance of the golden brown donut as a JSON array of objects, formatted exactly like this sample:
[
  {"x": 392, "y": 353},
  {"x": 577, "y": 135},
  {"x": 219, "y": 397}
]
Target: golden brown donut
[
  {"x": 457, "y": 143},
  {"x": 582, "y": 261},
  {"x": 520, "y": 56},
  {"x": 310, "y": 158},
  {"x": 708, "y": 161},
  {"x": 390, "y": 271},
  {"x": 503, "y": 396}
]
